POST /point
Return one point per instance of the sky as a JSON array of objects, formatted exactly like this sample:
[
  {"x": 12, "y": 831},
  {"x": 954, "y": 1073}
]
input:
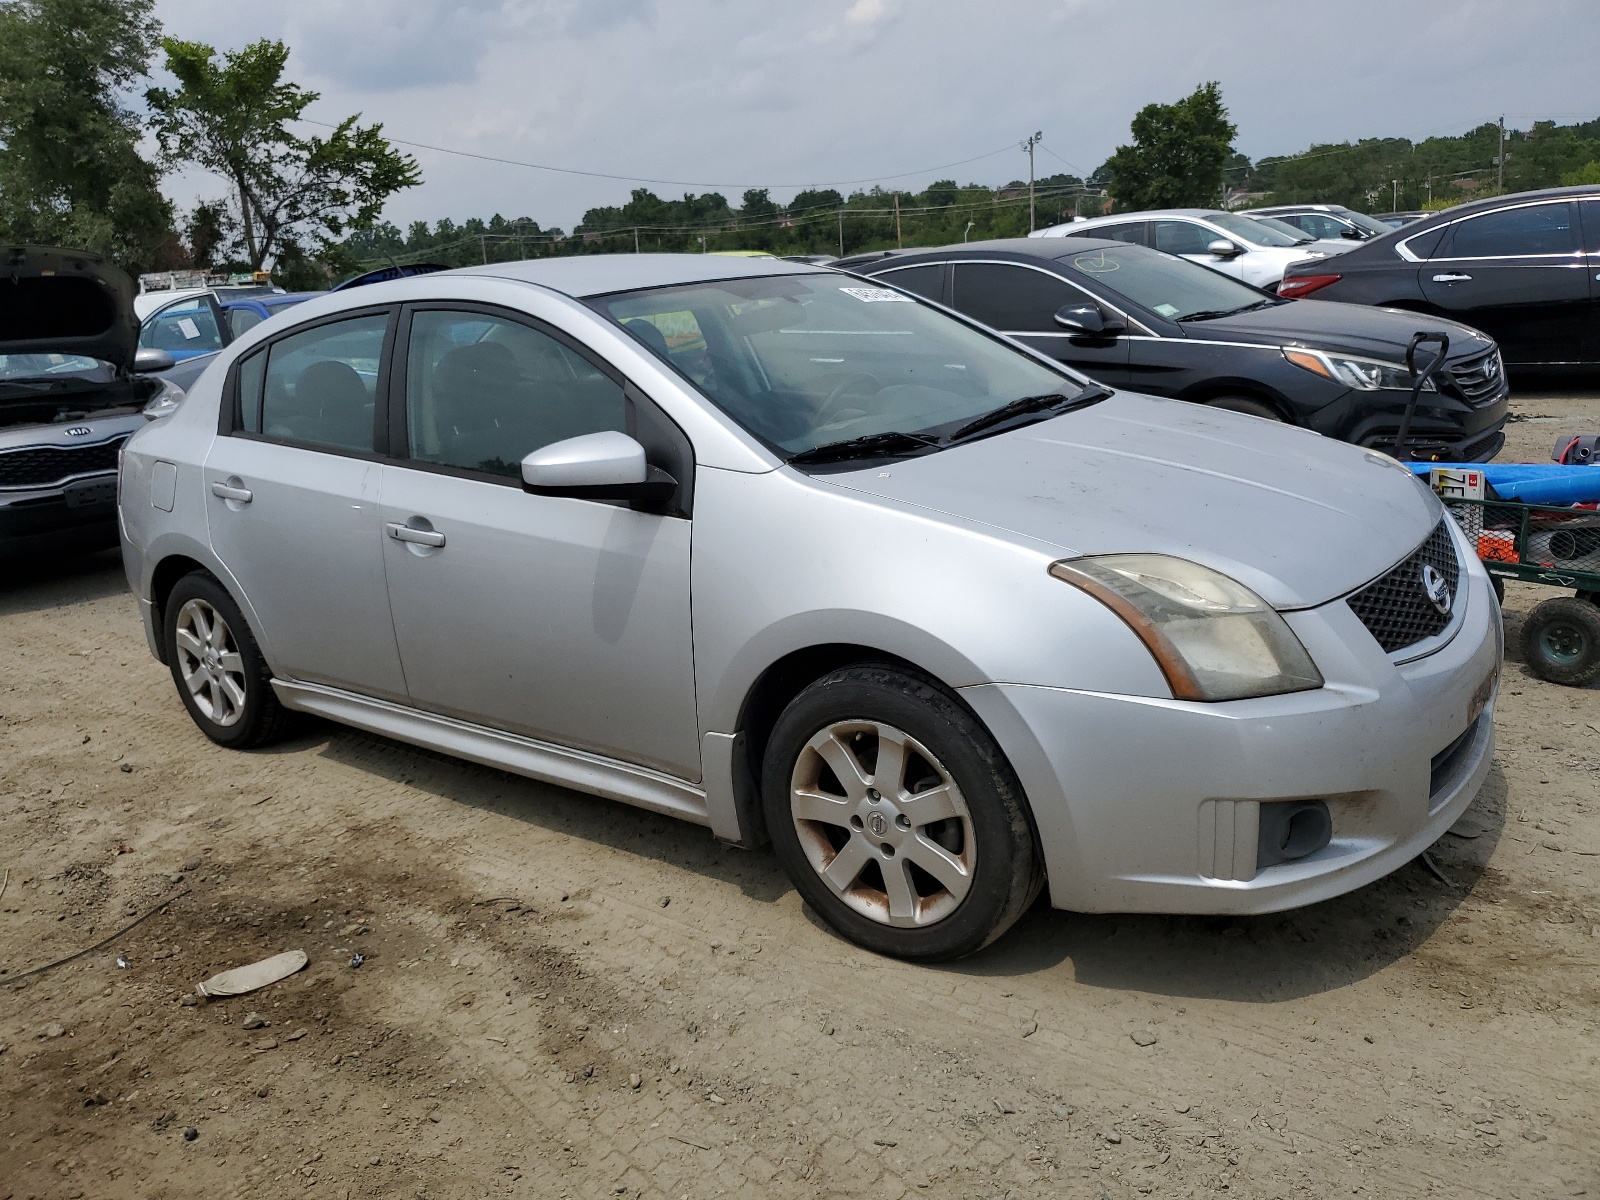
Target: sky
[{"x": 721, "y": 95}]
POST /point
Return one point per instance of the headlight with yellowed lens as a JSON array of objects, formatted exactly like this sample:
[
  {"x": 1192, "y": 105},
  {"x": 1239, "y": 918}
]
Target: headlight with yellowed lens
[{"x": 1212, "y": 637}]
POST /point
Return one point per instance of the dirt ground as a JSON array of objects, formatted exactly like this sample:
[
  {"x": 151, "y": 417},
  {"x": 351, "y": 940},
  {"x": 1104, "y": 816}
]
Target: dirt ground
[{"x": 566, "y": 997}]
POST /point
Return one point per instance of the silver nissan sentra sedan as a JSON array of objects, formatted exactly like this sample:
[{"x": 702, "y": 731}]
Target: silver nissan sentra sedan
[{"x": 807, "y": 559}]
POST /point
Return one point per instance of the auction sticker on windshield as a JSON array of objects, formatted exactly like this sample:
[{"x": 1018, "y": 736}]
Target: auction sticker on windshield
[{"x": 877, "y": 295}]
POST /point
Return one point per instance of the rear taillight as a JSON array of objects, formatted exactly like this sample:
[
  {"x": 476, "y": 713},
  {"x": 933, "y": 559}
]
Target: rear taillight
[{"x": 1298, "y": 287}]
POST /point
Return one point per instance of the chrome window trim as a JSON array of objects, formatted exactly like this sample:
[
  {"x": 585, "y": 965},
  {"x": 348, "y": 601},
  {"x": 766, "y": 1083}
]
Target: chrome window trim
[
  {"x": 1403, "y": 247},
  {"x": 1189, "y": 341},
  {"x": 1005, "y": 262}
]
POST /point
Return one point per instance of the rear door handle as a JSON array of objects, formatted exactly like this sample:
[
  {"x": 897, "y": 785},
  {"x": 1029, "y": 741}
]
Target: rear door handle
[
  {"x": 1451, "y": 278},
  {"x": 422, "y": 537},
  {"x": 225, "y": 491}
]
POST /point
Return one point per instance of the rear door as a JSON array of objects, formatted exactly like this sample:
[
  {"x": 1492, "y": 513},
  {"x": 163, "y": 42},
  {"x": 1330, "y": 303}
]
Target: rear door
[
  {"x": 292, "y": 503},
  {"x": 1589, "y": 339},
  {"x": 928, "y": 280},
  {"x": 1520, "y": 275},
  {"x": 1022, "y": 301}
]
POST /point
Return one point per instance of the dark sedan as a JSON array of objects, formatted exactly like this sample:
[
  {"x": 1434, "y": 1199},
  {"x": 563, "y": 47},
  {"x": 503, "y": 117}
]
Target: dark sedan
[
  {"x": 1521, "y": 268},
  {"x": 1136, "y": 318}
]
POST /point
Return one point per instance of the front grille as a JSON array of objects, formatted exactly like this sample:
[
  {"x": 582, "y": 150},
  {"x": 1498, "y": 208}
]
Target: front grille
[
  {"x": 1395, "y": 608},
  {"x": 1479, "y": 381},
  {"x": 42, "y": 466}
]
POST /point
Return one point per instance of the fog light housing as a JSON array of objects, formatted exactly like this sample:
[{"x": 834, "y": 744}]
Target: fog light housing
[{"x": 1292, "y": 830}]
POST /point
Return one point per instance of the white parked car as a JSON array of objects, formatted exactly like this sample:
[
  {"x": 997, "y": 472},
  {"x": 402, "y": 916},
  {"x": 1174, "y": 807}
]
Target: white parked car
[
  {"x": 805, "y": 558},
  {"x": 1255, "y": 251}
]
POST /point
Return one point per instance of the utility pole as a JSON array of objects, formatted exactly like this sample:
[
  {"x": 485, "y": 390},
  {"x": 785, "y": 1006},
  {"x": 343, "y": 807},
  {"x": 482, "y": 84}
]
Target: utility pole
[
  {"x": 1500, "y": 158},
  {"x": 898, "y": 240},
  {"x": 483, "y": 246},
  {"x": 636, "y": 239},
  {"x": 1395, "y": 205},
  {"x": 966, "y": 233},
  {"x": 1028, "y": 146},
  {"x": 841, "y": 233}
]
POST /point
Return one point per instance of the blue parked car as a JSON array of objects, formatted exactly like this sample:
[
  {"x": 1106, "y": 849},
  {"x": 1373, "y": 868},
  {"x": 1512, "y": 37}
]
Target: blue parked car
[{"x": 193, "y": 328}]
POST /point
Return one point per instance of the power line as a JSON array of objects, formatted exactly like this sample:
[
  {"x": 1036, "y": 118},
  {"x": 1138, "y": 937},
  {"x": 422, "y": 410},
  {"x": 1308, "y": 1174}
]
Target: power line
[{"x": 512, "y": 162}]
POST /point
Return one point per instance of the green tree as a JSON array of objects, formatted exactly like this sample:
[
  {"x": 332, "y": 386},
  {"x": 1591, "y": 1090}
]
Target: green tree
[
  {"x": 232, "y": 117},
  {"x": 1588, "y": 173},
  {"x": 1177, "y": 156},
  {"x": 70, "y": 169}
]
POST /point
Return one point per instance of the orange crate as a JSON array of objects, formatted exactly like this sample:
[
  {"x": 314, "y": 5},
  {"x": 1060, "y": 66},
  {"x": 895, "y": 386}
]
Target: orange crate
[{"x": 1498, "y": 546}]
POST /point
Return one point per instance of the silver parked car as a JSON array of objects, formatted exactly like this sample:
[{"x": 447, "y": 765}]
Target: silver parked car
[
  {"x": 801, "y": 557},
  {"x": 1254, "y": 251}
]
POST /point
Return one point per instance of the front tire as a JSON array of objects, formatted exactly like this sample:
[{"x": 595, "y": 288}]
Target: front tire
[
  {"x": 1248, "y": 405},
  {"x": 1561, "y": 641},
  {"x": 897, "y": 816},
  {"x": 220, "y": 674}
]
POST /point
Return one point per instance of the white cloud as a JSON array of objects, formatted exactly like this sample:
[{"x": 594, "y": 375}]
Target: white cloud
[{"x": 745, "y": 92}]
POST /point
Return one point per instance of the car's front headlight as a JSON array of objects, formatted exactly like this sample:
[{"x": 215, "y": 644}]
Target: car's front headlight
[
  {"x": 1213, "y": 638},
  {"x": 1363, "y": 374},
  {"x": 165, "y": 402}
]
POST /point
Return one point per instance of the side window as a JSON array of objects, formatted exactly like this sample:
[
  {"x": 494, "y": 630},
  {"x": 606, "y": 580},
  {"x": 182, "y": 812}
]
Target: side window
[
  {"x": 186, "y": 327},
  {"x": 1183, "y": 237},
  {"x": 320, "y": 384},
  {"x": 241, "y": 319},
  {"x": 250, "y": 376},
  {"x": 1536, "y": 229},
  {"x": 926, "y": 281},
  {"x": 483, "y": 392},
  {"x": 1128, "y": 231},
  {"x": 1014, "y": 299},
  {"x": 1317, "y": 225}
]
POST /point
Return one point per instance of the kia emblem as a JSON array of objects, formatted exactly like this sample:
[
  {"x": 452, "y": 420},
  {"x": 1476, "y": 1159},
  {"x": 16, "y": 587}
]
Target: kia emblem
[
  {"x": 1437, "y": 589},
  {"x": 79, "y": 431}
]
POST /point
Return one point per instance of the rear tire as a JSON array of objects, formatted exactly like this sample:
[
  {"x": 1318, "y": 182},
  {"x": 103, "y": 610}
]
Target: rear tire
[
  {"x": 217, "y": 667},
  {"x": 1561, "y": 641},
  {"x": 897, "y": 816},
  {"x": 1248, "y": 405}
]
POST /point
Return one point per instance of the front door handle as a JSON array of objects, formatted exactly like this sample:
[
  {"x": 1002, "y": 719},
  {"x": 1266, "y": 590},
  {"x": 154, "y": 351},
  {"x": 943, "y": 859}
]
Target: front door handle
[
  {"x": 224, "y": 491},
  {"x": 1451, "y": 278},
  {"x": 421, "y": 537}
]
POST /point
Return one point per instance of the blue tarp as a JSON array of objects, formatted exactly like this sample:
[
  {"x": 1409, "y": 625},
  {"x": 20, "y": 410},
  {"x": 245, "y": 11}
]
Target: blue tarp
[{"x": 1532, "y": 483}]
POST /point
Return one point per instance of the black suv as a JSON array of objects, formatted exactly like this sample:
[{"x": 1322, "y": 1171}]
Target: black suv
[
  {"x": 73, "y": 387},
  {"x": 1520, "y": 268}
]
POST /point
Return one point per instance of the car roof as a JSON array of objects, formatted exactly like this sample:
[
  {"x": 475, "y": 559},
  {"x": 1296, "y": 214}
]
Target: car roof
[
  {"x": 1049, "y": 249},
  {"x": 586, "y": 275}
]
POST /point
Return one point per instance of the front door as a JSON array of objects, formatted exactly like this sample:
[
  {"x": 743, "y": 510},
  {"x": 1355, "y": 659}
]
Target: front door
[
  {"x": 292, "y": 505},
  {"x": 1191, "y": 239},
  {"x": 565, "y": 620},
  {"x": 1519, "y": 275},
  {"x": 1022, "y": 301}
]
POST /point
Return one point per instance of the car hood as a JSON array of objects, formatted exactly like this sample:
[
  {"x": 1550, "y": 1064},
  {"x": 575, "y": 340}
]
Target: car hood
[
  {"x": 65, "y": 302},
  {"x": 1299, "y": 518},
  {"x": 1380, "y": 333}
]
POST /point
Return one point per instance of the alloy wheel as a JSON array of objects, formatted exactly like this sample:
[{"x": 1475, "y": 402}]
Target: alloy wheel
[
  {"x": 210, "y": 663},
  {"x": 883, "y": 823}
]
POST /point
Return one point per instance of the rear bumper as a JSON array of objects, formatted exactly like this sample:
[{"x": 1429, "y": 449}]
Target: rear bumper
[{"x": 1150, "y": 805}]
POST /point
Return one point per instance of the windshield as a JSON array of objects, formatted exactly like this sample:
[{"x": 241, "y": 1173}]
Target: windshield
[
  {"x": 1365, "y": 222},
  {"x": 1258, "y": 231},
  {"x": 47, "y": 366},
  {"x": 1174, "y": 287},
  {"x": 803, "y": 361}
]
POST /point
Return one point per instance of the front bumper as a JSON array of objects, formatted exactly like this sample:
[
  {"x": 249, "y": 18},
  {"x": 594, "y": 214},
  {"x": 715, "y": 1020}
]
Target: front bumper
[
  {"x": 79, "y": 516},
  {"x": 1150, "y": 805}
]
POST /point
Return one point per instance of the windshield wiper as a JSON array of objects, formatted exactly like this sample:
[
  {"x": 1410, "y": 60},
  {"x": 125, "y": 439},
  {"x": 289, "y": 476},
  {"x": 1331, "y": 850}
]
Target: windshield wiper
[
  {"x": 1211, "y": 314},
  {"x": 889, "y": 443},
  {"x": 1030, "y": 404}
]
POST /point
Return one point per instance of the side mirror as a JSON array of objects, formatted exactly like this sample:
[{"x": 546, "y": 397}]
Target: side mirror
[
  {"x": 1089, "y": 320},
  {"x": 1223, "y": 248},
  {"x": 1354, "y": 234},
  {"x": 597, "y": 466},
  {"x": 150, "y": 359}
]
